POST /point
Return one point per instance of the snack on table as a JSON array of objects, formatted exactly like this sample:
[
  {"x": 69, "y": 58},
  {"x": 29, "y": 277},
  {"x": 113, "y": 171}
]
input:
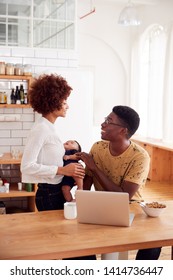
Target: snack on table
[
  {"x": 153, "y": 209},
  {"x": 155, "y": 204}
]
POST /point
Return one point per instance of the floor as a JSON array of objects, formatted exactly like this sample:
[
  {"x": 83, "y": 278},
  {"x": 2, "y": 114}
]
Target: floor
[{"x": 158, "y": 191}]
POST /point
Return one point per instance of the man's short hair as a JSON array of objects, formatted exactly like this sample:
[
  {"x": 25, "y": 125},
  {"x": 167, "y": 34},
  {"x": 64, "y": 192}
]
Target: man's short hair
[{"x": 129, "y": 118}]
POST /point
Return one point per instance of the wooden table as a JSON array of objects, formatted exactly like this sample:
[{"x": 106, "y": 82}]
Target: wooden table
[{"x": 47, "y": 235}]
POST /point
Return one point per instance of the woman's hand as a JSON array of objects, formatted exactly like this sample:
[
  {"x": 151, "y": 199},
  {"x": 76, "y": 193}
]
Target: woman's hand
[{"x": 72, "y": 170}]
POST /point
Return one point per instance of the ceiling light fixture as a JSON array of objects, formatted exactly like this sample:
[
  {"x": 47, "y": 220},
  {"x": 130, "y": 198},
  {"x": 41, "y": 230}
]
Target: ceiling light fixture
[{"x": 129, "y": 16}]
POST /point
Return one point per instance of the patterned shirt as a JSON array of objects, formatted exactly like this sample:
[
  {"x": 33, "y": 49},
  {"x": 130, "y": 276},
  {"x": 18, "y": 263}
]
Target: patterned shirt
[{"x": 132, "y": 165}]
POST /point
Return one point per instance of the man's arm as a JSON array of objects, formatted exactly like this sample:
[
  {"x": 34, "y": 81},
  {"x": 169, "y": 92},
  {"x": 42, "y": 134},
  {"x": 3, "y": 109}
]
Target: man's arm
[
  {"x": 87, "y": 182},
  {"x": 126, "y": 186}
]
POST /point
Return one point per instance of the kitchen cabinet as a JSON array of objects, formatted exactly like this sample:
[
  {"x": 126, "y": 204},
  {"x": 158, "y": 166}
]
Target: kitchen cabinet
[
  {"x": 21, "y": 78},
  {"x": 161, "y": 155},
  {"x": 13, "y": 190}
]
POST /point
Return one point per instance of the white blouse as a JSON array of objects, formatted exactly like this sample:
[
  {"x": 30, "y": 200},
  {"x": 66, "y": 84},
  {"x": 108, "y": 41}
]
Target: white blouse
[{"x": 43, "y": 154}]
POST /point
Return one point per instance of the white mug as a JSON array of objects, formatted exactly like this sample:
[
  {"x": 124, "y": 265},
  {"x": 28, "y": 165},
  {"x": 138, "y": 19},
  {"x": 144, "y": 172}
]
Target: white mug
[
  {"x": 7, "y": 185},
  {"x": 70, "y": 211},
  {"x": 19, "y": 186}
]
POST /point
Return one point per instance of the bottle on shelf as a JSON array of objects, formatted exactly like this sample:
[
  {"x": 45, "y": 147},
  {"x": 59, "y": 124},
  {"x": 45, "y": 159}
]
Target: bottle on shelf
[
  {"x": 25, "y": 98},
  {"x": 1, "y": 182},
  {"x": 17, "y": 95},
  {"x": 12, "y": 97},
  {"x": 21, "y": 94}
]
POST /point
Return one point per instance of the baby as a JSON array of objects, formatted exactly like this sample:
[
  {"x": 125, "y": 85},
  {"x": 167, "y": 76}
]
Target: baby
[{"x": 71, "y": 147}]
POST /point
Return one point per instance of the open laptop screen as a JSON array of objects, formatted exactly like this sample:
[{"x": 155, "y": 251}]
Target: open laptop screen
[{"x": 105, "y": 208}]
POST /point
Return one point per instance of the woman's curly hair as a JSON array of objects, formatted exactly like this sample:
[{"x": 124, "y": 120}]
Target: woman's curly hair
[{"x": 47, "y": 92}]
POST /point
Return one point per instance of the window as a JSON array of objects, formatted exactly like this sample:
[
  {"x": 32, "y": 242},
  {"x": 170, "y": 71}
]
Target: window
[
  {"x": 149, "y": 81},
  {"x": 38, "y": 23}
]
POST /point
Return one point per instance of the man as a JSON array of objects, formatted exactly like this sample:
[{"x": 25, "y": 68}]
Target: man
[{"x": 118, "y": 164}]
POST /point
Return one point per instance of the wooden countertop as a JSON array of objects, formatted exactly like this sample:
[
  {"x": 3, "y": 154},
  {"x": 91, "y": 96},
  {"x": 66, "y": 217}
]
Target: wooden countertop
[
  {"x": 154, "y": 142},
  {"x": 47, "y": 235},
  {"x": 7, "y": 158}
]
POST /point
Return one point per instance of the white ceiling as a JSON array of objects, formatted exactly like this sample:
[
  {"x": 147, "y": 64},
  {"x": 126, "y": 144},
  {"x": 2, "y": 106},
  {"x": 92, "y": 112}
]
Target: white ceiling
[{"x": 140, "y": 2}]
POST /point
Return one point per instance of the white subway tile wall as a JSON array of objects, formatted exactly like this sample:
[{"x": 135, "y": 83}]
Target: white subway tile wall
[
  {"x": 43, "y": 61},
  {"x": 14, "y": 134}
]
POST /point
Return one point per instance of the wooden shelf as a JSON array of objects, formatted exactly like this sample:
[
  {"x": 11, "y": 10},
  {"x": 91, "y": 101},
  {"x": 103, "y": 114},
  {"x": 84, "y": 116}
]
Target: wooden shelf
[
  {"x": 13, "y": 192},
  {"x": 15, "y": 106},
  {"x": 16, "y": 77},
  {"x": 13, "y": 189},
  {"x": 8, "y": 159},
  {"x": 29, "y": 79}
]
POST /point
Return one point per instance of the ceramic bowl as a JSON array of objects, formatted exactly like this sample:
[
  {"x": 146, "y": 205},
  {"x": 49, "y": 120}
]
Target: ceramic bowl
[{"x": 153, "y": 209}]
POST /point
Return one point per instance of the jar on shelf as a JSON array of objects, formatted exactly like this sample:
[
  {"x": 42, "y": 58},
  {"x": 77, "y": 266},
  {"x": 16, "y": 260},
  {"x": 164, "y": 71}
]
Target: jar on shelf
[
  {"x": 2, "y": 68},
  {"x": 9, "y": 69},
  {"x": 27, "y": 71},
  {"x": 18, "y": 69},
  {"x": 3, "y": 98}
]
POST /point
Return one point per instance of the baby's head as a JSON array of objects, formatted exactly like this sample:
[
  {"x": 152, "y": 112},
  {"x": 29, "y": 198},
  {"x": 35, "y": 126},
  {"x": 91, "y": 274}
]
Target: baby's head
[{"x": 72, "y": 145}]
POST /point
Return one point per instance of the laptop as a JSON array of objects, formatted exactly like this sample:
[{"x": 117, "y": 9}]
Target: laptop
[{"x": 104, "y": 208}]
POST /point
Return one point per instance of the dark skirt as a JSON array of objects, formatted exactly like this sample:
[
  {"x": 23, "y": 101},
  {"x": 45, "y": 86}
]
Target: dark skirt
[{"x": 49, "y": 197}]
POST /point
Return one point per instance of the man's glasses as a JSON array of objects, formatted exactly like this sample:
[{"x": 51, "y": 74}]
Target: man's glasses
[{"x": 107, "y": 121}]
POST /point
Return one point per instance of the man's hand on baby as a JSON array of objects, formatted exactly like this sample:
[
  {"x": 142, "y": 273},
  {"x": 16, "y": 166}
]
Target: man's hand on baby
[
  {"x": 73, "y": 157},
  {"x": 88, "y": 160}
]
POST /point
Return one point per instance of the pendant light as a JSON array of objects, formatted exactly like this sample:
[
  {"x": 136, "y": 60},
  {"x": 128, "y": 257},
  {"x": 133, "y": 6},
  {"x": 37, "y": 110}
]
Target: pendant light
[{"x": 129, "y": 16}]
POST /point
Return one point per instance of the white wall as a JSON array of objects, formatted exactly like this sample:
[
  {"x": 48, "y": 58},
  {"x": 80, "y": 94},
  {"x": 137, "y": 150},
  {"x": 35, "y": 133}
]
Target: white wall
[
  {"x": 106, "y": 47},
  {"x": 78, "y": 122}
]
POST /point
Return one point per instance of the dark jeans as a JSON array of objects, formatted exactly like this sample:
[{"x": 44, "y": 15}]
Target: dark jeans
[
  {"x": 148, "y": 254},
  {"x": 90, "y": 257},
  {"x": 143, "y": 254},
  {"x": 49, "y": 197}
]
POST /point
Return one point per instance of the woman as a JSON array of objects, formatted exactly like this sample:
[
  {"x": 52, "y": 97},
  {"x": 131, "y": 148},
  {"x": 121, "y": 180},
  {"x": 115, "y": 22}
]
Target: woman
[{"x": 42, "y": 161}]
